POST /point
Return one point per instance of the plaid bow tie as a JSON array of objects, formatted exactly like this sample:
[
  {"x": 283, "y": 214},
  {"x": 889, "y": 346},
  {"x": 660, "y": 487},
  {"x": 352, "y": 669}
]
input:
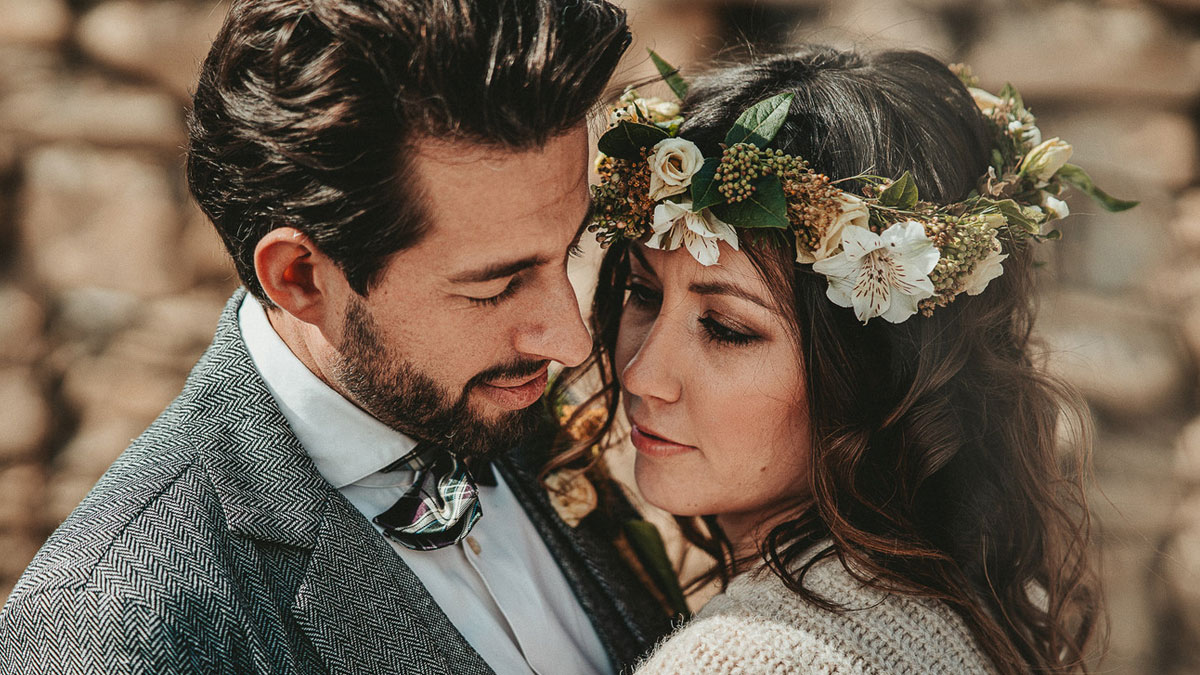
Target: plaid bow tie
[{"x": 441, "y": 506}]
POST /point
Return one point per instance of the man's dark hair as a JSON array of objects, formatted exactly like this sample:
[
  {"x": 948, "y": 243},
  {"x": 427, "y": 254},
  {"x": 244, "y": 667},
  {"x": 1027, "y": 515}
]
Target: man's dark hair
[{"x": 305, "y": 108}]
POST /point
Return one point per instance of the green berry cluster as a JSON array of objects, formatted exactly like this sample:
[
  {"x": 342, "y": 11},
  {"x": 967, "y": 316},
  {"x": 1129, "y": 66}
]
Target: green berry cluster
[
  {"x": 964, "y": 242},
  {"x": 622, "y": 208}
]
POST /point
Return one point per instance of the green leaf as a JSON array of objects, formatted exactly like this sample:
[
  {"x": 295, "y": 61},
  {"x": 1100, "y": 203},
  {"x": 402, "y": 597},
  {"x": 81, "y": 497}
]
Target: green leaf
[
  {"x": 704, "y": 187},
  {"x": 626, "y": 140},
  {"x": 900, "y": 195},
  {"x": 767, "y": 207},
  {"x": 648, "y": 545},
  {"x": 1015, "y": 214},
  {"x": 670, "y": 75},
  {"x": 761, "y": 122},
  {"x": 1078, "y": 178}
]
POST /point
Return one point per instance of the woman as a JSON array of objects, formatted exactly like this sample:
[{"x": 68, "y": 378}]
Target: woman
[{"x": 830, "y": 380}]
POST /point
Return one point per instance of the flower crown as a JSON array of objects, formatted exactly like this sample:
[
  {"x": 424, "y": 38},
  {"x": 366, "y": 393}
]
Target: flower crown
[{"x": 884, "y": 252}]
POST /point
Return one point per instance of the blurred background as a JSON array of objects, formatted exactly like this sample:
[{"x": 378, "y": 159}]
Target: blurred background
[{"x": 111, "y": 280}]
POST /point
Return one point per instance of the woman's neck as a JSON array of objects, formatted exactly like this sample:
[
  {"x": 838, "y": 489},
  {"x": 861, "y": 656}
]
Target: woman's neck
[{"x": 747, "y": 531}]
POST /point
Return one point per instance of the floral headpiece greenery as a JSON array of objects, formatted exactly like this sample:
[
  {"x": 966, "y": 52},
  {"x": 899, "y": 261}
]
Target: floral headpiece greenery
[{"x": 884, "y": 252}]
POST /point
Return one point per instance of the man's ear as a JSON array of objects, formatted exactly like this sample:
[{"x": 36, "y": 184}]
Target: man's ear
[{"x": 297, "y": 277}]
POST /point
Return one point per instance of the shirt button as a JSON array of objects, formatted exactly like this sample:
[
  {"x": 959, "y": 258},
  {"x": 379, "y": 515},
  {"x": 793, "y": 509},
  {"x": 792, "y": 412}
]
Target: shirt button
[{"x": 475, "y": 548}]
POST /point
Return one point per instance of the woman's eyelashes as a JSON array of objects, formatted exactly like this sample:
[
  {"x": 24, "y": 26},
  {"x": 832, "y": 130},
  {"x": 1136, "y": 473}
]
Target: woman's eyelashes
[
  {"x": 644, "y": 297},
  {"x": 718, "y": 332}
]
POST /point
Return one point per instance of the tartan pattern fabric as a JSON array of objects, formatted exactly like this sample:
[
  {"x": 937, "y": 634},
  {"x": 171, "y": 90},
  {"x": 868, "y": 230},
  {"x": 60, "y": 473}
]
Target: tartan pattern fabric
[
  {"x": 213, "y": 545},
  {"x": 440, "y": 508}
]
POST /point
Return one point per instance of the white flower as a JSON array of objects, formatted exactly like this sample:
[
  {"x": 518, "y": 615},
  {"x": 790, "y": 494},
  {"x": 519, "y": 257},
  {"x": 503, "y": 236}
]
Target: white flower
[
  {"x": 660, "y": 110},
  {"x": 987, "y": 102},
  {"x": 1029, "y": 134},
  {"x": 985, "y": 270},
  {"x": 675, "y": 225},
  {"x": 881, "y": 274},
  {"x": 853, "y": 213},
  {"x": 1046, "y": 159},
  {"x": 1055, "y": 207},
  {"x": 674, "y": 162}
]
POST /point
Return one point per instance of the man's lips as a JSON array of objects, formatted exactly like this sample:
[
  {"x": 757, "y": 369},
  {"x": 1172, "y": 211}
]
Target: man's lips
[
  {"x": 519, "y": 394},
  {"x": 654, "y": 444}
]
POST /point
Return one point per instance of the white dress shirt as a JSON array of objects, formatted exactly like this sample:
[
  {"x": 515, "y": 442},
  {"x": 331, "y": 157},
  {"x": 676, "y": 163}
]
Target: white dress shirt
[{"x": 500, "y": 587}]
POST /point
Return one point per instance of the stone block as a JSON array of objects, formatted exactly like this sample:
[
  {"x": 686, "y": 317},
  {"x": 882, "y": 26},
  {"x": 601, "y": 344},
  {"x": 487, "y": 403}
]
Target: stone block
[
  {"x": 1079, "y": 50},
  {"x": 99, "y": 440},
  {"x": 25, "y": 415},
  {"x": 34, "y": 22},
  {"x": 1187, "y": 459},
  {"x": 855, "y": 24},
  {"x": 689, "y": 42},
  {"x": 163, "y": 41},
  {"x": 63, "y": 494},
  {"x": 1127, "y": 361},
  {"x": 204, "y": 252},
  {"x": 107, "y": 387},
  {"x": 1129, "y": 145},
  {"x": 1180, "y": 574},
  {"x": 22, "y": 497},
  {"x": 1185, "y": 226},
  {"x": 91, "y": 109},
  {"x": 19, "y": 548},
  {"x": 21, "y": 322},
  {"x": 100, "y": 219},
  {"x": 172, "y": 332}
]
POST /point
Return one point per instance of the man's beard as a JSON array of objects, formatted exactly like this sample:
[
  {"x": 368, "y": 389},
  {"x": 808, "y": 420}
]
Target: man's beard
[{"x": 411, "y": 402}]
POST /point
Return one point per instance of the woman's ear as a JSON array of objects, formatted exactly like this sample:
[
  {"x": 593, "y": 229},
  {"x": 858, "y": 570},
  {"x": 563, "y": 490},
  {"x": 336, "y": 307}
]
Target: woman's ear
[{"x": 297, "y": 277}]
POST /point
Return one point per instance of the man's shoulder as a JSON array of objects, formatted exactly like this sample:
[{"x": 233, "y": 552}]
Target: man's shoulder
[{"x": 150, "y": 502}]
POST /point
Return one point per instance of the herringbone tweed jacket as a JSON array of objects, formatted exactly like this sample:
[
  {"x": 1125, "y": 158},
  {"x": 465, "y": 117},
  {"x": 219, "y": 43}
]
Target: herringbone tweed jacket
[{"x": 212, "y": 545}]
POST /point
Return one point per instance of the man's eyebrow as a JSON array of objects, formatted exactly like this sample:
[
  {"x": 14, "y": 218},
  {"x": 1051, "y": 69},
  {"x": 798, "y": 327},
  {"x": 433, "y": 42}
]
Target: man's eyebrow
[
  {"x": 583, "y": 224},
  {"x": 498, "y": 270},
  {"x": 723, "y": 288}
]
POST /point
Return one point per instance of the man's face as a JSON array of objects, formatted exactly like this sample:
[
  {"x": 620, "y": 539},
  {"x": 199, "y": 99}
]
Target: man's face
[{"x": 453, "y": 342}]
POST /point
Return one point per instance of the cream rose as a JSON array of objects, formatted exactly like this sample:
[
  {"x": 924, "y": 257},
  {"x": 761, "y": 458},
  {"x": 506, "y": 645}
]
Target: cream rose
[
  {"x": 1046, "y": 159},
  {"x": 854, "y": 213},
  {"x": 672, "y": 166},
  {"x": 987, "y": 102}
]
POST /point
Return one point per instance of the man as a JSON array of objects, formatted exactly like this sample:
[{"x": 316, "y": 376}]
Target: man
[{"x": 399, "y": 183}]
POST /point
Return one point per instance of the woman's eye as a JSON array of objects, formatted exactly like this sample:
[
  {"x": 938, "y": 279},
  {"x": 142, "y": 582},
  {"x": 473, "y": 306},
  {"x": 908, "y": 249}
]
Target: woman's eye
[
  {"x": 719, "y": 332},
  {"x": 643, "y": 296},
  {"x": 499, "y": 297}
]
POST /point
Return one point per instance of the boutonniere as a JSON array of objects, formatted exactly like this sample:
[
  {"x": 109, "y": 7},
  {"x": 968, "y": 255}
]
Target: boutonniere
[
  {"x": 571, "y": 492},
  {"x": 572, "y": 495}
]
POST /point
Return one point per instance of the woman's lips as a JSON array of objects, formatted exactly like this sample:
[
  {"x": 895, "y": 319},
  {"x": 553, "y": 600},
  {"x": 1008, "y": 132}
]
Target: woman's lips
[
  {"x": 519, "y": 395},
  {"x": 653, "y": 445}
]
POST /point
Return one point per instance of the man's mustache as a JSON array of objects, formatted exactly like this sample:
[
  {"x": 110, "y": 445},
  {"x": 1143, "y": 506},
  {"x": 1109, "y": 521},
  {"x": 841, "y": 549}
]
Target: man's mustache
[{"x": 513, "y": 370}]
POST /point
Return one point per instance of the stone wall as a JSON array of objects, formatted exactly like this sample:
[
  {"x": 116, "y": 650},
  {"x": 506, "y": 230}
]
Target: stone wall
[{"x": 111, "y": 280}]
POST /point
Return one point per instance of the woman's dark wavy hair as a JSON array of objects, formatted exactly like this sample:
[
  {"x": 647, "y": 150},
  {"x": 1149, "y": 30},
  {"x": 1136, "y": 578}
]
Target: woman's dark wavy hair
[
  {"x": 938, "y": 464},
  {"x": 305, "y": 110}
]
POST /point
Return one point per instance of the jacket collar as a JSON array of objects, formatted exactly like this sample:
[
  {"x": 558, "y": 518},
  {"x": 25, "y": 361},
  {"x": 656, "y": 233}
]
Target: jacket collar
[{"x": 268, "y": 487}]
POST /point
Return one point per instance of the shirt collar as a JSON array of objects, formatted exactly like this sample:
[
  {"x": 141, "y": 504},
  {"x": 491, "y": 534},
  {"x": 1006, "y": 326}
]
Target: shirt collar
[{"x": 345, "y": 442}]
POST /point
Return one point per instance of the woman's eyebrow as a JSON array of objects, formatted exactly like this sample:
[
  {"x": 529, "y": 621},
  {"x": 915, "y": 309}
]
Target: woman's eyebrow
[
  {"x": 641, "y": 258},
  {"x": 723, "y": 288}
]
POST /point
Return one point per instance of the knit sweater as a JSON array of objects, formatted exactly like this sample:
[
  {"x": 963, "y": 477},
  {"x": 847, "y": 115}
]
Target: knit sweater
[{"x": 759, "y": 627}]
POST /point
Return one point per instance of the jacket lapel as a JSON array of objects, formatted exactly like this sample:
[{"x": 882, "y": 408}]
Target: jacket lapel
[
  {"x": 627, "y": 618},
  {"x": 362, "y": 609},
  {"x": 366, "y": 612}
]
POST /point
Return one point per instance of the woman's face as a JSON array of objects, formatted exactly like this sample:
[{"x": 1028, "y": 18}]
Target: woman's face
[{"x": 713, "y": 388}]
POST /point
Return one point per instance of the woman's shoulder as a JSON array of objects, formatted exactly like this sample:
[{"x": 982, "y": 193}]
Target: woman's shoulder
[{"x": 758, "y": 625}]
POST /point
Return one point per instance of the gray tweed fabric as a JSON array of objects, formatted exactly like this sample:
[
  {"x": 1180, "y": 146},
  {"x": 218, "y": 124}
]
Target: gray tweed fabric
[{"x": 213, "y": 545}]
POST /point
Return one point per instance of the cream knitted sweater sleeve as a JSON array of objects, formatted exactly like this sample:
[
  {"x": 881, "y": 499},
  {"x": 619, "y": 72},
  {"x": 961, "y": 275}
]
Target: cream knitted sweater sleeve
[{"x": 759, "y": 627}]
